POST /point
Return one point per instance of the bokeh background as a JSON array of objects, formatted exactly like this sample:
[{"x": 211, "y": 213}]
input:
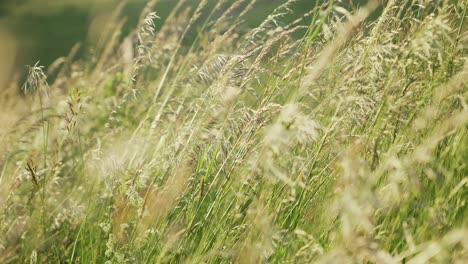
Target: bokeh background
[{"x": 44, "y": 30}]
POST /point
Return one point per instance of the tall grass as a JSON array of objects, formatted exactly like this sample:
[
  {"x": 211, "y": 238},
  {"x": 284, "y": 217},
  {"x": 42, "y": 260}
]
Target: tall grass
[{"x": 347, "y": 145}]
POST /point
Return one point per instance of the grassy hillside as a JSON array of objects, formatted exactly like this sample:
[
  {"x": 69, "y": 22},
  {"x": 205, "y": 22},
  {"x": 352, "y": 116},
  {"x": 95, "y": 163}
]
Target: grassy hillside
[{"x": 246, "y": 145}]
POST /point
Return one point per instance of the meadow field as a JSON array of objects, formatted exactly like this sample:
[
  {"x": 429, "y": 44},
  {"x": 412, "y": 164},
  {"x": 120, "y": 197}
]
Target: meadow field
[{"x": 337, "y": 134}]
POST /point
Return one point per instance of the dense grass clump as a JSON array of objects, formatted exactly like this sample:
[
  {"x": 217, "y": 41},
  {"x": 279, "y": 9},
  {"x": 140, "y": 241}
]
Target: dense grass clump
[{"x": 346, "y": 145}]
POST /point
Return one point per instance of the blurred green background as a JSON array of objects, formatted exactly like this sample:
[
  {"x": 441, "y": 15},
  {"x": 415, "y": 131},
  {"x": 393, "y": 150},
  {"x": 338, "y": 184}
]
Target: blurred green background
[
  {"x": 44, "y": 30},
  {"x": 47, "y": 29}
]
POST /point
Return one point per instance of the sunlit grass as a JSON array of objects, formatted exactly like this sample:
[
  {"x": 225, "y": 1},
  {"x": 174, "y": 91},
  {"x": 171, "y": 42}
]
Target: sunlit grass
[{"x": 347, "y": 145}]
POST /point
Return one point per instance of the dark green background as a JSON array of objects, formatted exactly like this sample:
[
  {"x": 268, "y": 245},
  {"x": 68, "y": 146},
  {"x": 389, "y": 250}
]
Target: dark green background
[
  {"x": 49, "y": 32},
  {"x": 46, "y": 36}
]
